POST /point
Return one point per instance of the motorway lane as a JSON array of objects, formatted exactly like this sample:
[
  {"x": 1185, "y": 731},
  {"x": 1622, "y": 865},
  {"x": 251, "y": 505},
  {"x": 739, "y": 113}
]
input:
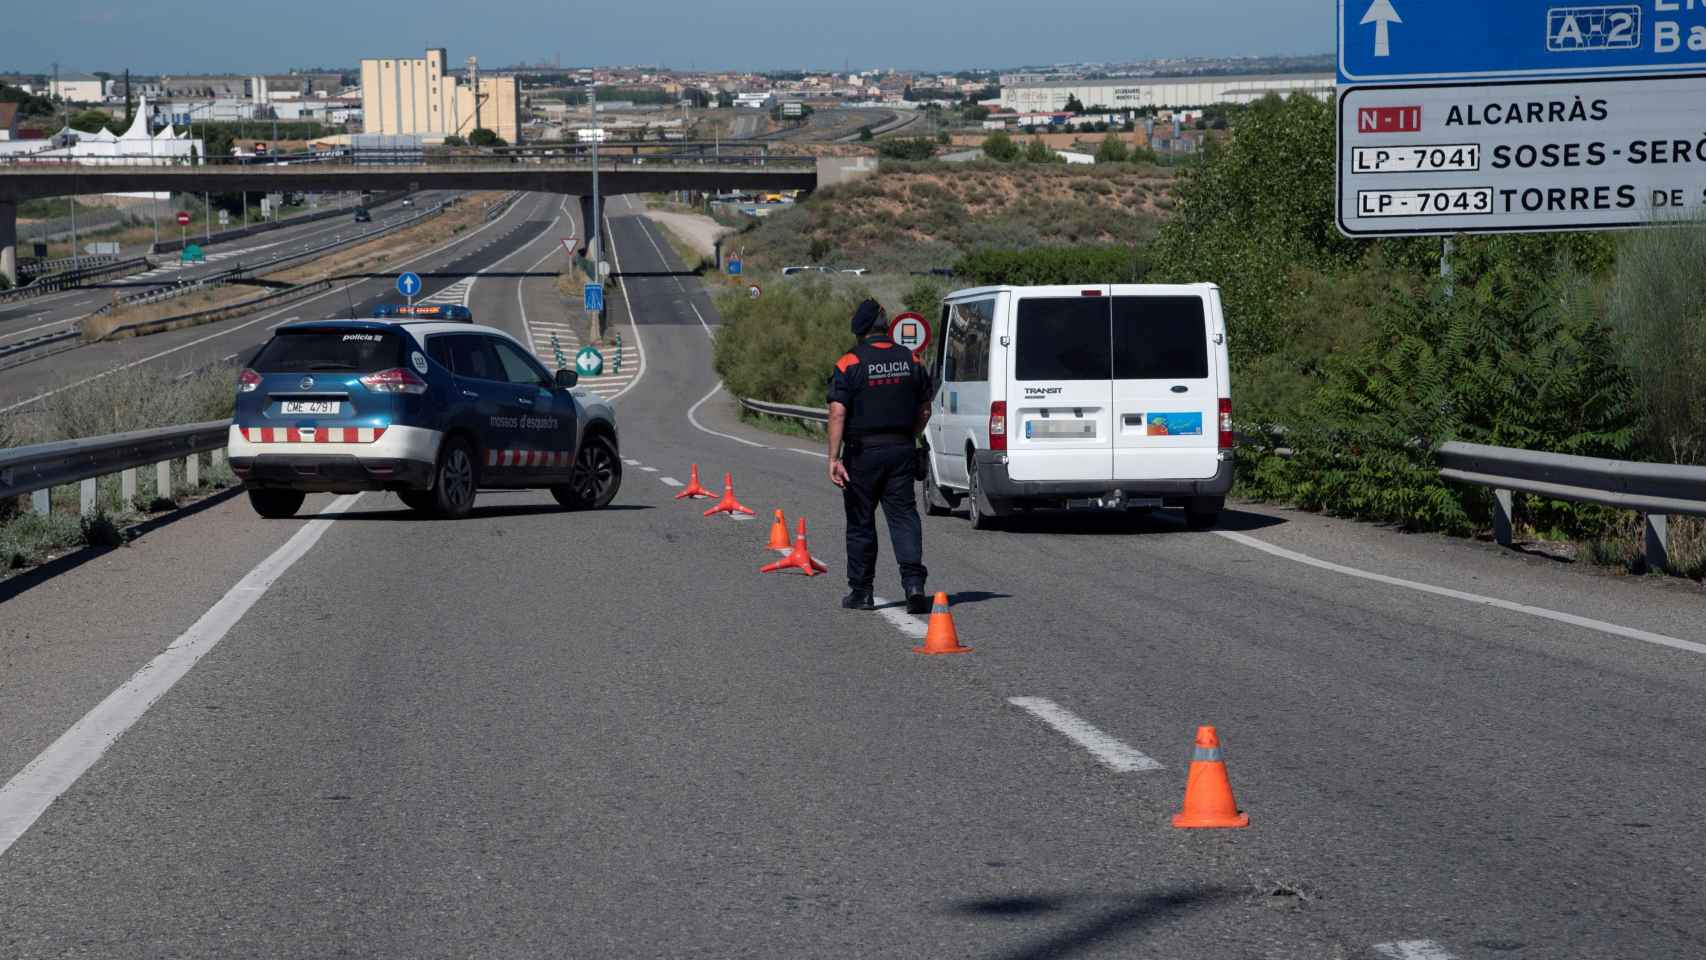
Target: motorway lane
[
  {"x": 18, "y": 317},
  {"x": 606, "y": 734},
  {"x": 197, "y": 347}
]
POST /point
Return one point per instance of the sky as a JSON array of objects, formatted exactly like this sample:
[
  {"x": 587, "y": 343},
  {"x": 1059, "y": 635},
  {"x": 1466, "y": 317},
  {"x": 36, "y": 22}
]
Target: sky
[{"x": 242, "y": 36}]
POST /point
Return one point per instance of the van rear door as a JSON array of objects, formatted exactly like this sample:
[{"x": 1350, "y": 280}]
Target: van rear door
[
  {"x": 1165, "y": 389},
  {"x": 1059, "y": 395}
]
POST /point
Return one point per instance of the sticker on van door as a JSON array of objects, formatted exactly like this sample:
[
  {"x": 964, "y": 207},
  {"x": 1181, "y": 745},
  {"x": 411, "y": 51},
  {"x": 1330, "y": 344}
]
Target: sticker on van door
[{"x": 1182, "y": 424}]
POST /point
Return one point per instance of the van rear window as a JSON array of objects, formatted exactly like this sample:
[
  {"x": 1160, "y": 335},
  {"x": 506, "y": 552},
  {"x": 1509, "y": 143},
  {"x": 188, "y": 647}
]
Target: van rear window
[
  {"x": 1160, "y": 338},
  {"x": 304, "y": 351},
  {"x": 1062, "y": 338}
]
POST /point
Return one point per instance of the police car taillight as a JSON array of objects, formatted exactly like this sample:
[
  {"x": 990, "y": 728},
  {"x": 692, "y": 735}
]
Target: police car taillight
[
  {"x": 394, "y": 380},
  {"x": 1226, "y": 423},
  {"x": 998, "y": 425},
  {"x": 248, "y": 381}
]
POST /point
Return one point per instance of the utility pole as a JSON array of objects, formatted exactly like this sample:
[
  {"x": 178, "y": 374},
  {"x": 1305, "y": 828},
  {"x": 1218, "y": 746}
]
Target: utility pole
[
  {"x": 474, "y": 88},
  {"x": 596, "y": 248}
]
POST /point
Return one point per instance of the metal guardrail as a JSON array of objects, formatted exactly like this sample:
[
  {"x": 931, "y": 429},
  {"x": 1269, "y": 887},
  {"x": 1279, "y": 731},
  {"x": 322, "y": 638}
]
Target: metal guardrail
[
  {"x": 788, "y": 410},
  {"x": 144, "y": 327},
  {"x": 38, "y": 468},
  {"x": 65, "y": 281},
  {"x": 1656, "y": 490},
  {"x": 34, "y": 267}
]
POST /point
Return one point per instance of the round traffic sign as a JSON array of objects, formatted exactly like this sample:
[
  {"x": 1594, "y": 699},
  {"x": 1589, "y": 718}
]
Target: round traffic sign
[
  {"x": 183, "y": 218},
  {"x": 754, "y": 291},
  {"x": 911, "y": 331},
  {"x": 409, "y": 283}
]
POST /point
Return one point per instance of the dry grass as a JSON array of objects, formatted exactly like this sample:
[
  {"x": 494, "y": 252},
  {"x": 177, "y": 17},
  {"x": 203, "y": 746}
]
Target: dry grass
[{"x": 372, "y": 256}]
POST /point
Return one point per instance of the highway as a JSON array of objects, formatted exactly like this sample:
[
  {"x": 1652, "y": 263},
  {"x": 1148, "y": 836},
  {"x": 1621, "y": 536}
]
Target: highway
[{"x": 537, "y": 733}]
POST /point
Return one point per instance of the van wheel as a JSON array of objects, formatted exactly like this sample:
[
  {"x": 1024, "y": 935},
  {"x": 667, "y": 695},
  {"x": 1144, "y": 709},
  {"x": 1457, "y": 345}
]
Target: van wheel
[
  {"x": 974, "y": 509},
  {"x": 276, "y": 504},
  {"x": 457, "y": 482},
  {"x": 420, "y": 501},
  {"x": 934, "y": 502}
]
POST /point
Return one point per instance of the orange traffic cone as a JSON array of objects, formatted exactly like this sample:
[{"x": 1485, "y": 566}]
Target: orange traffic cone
[
  {"x": 779, "y": 535},
  {"x": 1208, "y": 794},
  {"x": 941, "y": 637},
  {"x": 800, "y": 558},
  {"x": 728, "y": 504},
  {"x": 693, "y": 487}
]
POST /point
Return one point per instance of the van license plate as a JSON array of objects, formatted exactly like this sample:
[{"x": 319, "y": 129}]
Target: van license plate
[
  {"x": 1060, "y": 428},
  {"x": 324, "y": 407}
]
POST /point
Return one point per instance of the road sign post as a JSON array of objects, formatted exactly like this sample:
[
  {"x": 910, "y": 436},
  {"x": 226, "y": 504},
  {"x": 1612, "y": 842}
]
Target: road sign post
[
  {"x": 409, "y": 284},
  {"x": 183, "y": 229},
  {"x": 1461, "y": 116}
]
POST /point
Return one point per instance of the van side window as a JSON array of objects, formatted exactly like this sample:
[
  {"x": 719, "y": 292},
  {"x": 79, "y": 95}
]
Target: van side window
[
  {"x": 1160, "y": 338},
  {"x": 1062, "y": 338},
  {"x": 970, "y": 327}
]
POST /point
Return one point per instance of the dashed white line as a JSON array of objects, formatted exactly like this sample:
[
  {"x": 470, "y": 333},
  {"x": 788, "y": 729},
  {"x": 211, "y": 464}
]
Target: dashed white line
[
  {"x": 33, "y": 789},
  {"x": 1413, "y": 950},
  {"x": 1110, "y": 751},
  {"x": 1541, "y": 612},
  {"x": 631, "y": 463},
  {"x": 672, "y": 481},
  {"x": 650, "y": 469}
]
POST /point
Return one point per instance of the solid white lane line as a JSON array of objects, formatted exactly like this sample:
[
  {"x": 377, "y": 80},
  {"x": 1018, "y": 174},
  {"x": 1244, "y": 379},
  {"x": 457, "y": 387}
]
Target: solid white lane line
[
  {"x": 693, "y": 418},
  {"x": 1119, "y": 756},
  {"x": 27, "y": 795},
  {"x": 905, "y": 622},
  {"x": 672, "y": 481},
  {"x": 1413, "y": 950},
  {"x": 663, "y": 262},
  {"x": 639, "y": 344},
  {"x": 1545, "y": 614},
  {"x": 708, "y": 331}
]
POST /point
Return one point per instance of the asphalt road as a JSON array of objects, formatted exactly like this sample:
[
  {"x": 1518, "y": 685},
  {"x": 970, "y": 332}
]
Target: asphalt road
[{"x": 537, "y": 733}]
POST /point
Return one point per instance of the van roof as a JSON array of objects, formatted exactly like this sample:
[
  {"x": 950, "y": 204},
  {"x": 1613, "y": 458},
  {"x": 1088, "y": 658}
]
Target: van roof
[{"x": 1119, "y": 289}]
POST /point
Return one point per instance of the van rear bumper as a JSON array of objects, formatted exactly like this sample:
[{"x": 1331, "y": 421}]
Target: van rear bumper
[{"x": 995, "y": 483}]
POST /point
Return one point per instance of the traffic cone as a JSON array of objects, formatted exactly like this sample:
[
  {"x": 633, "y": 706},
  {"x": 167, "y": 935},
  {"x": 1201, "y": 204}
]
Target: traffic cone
[
  {"x": 779, "y": 535},
  {"x": 1208, "y": 794},
  {"x": 800, "y": 558},
  {"x": 941, "y": 637},
  {"x": 728, "y": 504},
  {"x": 693, "y": 487}
]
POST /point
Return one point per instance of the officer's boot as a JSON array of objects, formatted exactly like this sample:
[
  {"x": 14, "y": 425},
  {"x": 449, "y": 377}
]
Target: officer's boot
[
  {"x": 859, "y": 599},
  {"x": 917, "y": 601}
]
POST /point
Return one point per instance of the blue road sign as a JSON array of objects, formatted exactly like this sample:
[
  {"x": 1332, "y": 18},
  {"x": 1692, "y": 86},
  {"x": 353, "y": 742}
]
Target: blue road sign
[
  {"x": 409, "y": 284},
  {"x": 734, "y": 265},
  {"x": 594, "y": 296},
  {"x": 1390, "y": 41}
]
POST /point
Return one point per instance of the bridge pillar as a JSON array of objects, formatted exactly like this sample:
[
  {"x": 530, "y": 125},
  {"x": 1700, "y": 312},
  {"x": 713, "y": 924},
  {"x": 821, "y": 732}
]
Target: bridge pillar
[{"x": 9, "y": 241}]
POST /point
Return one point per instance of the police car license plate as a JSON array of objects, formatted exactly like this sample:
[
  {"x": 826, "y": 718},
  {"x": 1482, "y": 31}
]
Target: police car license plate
[
  {"x": 1060, "y": 428},
  {"x": 311, "y": 406}
]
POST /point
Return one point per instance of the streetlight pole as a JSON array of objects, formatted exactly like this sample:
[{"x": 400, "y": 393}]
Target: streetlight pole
[{"x": 596, "y": 227}]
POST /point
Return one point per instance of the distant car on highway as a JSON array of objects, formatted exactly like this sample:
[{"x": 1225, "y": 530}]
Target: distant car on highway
[
  {"x": 856, "y": 271},
  {"x": 408, "y": 201},
  {"x": 362, "y": 216},
  {"x": 432, "y": 411}
]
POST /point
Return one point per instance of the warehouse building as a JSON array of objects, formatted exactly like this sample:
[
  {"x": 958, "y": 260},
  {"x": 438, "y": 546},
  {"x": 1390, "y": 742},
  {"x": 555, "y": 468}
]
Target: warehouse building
[
  {"x": 1160, "y": 93},
  {"x": 421, "y": 96}
]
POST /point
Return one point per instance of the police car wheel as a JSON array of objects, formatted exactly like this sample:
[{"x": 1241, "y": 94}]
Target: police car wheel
[
  {"x": 457, "y": 481},
  {"x": 276, "y": 504},
  {"x": 596, "y": 478}
]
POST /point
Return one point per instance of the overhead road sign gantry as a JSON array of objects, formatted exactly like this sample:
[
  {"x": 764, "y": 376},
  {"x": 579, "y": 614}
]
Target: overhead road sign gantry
[{"x": 1442, "y": 41}]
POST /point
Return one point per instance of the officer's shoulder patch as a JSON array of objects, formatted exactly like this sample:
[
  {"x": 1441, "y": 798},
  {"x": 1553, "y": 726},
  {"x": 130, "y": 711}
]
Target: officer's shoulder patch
[{"x": 846, "y": 361}]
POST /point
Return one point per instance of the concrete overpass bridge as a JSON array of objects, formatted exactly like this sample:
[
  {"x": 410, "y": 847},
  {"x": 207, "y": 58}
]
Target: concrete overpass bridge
[{"x": 24, "y": 180}]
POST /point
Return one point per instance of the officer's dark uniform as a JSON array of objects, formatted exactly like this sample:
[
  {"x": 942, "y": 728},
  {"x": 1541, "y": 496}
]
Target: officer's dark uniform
[{"x": 882, "y": 388}]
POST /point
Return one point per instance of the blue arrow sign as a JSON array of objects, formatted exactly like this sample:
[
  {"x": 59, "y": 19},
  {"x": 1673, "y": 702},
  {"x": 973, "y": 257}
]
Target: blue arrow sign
[
  {"x": 594, "y": 297},
  {"x": 1388, "y": 41},
  {"x": 409, "y": 284}
]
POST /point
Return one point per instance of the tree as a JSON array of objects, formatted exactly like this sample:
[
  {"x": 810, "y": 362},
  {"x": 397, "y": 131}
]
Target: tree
[
  {"x": 865, "y": 134},
  {"x": 911, "y": 148},
  {"x": 1039, "y": 152},
  {"x": 454, "y": 140},
  {"x": 943, "y": 138},
  {"x": 974, "y": 113},
  {"x": 725, "y": 98},
  {"x": 481, "y": 137},
  {"x": 1073, "y": 104},
  {"x": 1112, "y": 150},
  {"x": 90, "y": 121},
  {"x": 1000, "y": 147}
]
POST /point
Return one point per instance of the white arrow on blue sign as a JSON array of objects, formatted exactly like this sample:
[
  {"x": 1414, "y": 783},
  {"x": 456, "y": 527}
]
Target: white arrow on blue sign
[
  {"x": 594, "y": 297},
  {"x": 409, "y": 284},
  {"x": 1428, "y": 41}
]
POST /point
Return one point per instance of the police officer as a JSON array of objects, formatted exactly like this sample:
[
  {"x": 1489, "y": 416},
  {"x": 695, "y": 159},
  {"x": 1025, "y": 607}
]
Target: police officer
[{"x": 879, "y": 402}]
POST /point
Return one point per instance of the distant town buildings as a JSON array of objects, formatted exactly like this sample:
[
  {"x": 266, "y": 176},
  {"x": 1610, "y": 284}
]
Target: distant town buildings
[
  {"x": 423, "y": 96},
  {"x": 1047, "y": 96}
]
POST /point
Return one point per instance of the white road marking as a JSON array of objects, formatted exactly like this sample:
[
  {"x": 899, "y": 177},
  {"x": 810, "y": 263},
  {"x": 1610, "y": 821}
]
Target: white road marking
[
  {"x": 1119, "y": 756},
  {"x": 708, "y": 331},
  {"x": 672, "y": 481},
  {"x": 1557, "y": 616},
  {"x": 639, "y": 345},
  {"x": 1413, "y": 950},
  {"x": 645, "y": 228},
  {"x": 28, "y": 794},
  {"x": 631, "y": 463},
  {"x": 905, "y": 622},
  {"x": 650, "y": 469},
  {"x": 693, "y": 418}
]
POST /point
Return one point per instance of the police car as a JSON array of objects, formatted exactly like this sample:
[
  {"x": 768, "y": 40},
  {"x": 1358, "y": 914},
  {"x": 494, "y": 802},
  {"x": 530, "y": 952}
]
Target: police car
[{"x": 431, "y": 410}]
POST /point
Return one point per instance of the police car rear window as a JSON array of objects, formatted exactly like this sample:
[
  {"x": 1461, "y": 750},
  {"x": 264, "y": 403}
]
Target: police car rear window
[
  {"x": 361, "y": 351},
  {"x": 1062, "y": 338},
  {"x": 1160, "y": 338}
]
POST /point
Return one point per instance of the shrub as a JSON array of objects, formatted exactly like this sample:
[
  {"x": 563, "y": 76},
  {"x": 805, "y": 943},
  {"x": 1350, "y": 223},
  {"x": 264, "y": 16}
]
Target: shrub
[
  {"x": 1112, "y": 150},
  {"x": 782, "y": 346},
  {"x": 912, "y": 148},
  {"x": 1053, "y": 265},
  {"x": 138, "y": 399},
  {"x": 1000, "y": 147},
  {"x": 1657, "y": 302}
]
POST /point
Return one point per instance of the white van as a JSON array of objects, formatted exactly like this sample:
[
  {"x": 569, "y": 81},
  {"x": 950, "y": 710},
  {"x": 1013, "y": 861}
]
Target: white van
[{"x": 1097, "y": 396}]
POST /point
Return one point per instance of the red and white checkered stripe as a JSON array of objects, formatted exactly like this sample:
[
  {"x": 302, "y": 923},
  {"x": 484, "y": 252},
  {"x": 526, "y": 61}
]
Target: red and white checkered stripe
[
  {"x": 545, "y": 459},
  {"x": 313, "y": 434}
]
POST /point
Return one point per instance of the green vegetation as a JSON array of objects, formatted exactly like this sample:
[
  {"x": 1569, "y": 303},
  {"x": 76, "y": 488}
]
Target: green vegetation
[
  {"x": 907, "y": 148},
  {"x": 481, "y": 137},
  {"x": 1000, "y": 147},
  {"x": 1053, "y": 265}
]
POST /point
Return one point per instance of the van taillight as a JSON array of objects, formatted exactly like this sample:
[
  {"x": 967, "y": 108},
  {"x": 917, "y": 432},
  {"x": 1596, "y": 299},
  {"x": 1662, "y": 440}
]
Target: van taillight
[
  {"x": 998, "y": 425},
  {"x": 248, "y": 381},
  {"x": 395, "y": 380},
  {"x": 1089, "y": 293},
  {"x": 1226, "y": 423}
]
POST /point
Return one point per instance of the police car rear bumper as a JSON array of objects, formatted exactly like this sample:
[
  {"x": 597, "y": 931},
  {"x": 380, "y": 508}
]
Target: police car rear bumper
[
  {"x": 996, "y": 484},
  {"x": 402, "y": 458}
]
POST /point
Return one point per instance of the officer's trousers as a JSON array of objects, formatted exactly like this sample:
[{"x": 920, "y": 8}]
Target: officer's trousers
[{"x": 882, "y": 474}]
